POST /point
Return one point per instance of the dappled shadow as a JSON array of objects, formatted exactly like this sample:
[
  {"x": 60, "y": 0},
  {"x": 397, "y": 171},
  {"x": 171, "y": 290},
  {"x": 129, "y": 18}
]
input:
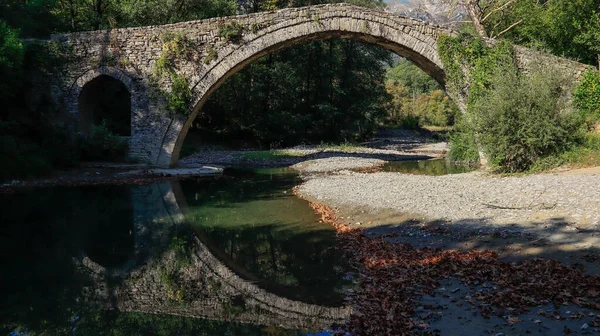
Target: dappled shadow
[
  {"x": 555, "y": 238},
  {"x": 236, "y": 158},
  {"x": 400, "y": 139}
]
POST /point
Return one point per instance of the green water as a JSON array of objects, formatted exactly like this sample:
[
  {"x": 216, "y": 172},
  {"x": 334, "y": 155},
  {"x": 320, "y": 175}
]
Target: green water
[
  {"x": 257, "y": 227},
  {"x": 434, "y": 167},
  {"x": 248, "y": 220}
]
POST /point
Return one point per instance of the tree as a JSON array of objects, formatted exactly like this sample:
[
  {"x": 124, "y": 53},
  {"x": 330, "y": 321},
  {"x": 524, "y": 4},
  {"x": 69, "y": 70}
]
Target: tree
[
  {"x": 485, "y": 15},
  {"x": 11, "y": 61}
]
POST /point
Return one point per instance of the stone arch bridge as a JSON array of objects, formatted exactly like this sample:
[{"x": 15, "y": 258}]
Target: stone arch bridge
[{"x": 130, "y": 55}]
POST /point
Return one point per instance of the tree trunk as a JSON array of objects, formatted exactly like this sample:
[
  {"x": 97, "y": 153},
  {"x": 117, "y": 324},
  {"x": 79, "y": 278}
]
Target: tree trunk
[
  {"x": 475, "y": 15},
  {"x": 98, "y": 14},
  {"x": 72, "y": 10}
]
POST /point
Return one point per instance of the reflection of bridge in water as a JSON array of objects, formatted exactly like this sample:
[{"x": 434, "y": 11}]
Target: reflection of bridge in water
[{"x": 158, "y": 279}]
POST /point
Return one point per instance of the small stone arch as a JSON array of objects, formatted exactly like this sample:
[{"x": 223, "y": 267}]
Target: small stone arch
[
  {"x": 410, "y": 38},
  {"x": 88, "y": 78}
]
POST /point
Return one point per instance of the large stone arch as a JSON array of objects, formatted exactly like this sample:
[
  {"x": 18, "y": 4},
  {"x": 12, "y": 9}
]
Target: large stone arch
[{"x": 412, "y": 39}]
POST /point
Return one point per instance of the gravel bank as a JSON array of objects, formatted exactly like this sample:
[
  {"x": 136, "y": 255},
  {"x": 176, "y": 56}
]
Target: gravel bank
[
  {"x": 464, "y": 197},
  {"x": 335, "y": 164},
  {"x": 388, "y": 145}
]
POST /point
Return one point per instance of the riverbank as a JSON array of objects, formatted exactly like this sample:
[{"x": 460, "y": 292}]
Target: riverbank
[
  {"x": 467, "y": 252},
  {"x": 103, "y": 173},
  {"x": 387, "y": 145}
]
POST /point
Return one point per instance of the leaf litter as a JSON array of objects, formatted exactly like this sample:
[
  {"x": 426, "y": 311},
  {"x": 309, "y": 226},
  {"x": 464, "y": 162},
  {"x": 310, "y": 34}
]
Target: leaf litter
[{"x": 392, "y": 276}]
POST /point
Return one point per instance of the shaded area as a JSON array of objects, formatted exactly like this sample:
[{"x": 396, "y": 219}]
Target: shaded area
[
  {"x": 121, "y": 247},
  {"x": 44, "y": 230},
  {"x": 105, "y": 100}
]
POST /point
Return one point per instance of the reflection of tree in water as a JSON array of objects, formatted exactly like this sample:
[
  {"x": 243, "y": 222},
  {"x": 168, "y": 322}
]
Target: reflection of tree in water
[
  {"x": 263, "y": 233},
  {"x": 108, "y": 215}
]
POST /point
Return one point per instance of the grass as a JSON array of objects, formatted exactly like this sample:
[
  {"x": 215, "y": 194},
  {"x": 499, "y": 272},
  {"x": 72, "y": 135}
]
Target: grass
[
  {"x": 269, "y": 155},
  {"x": 585, "y": 156}
]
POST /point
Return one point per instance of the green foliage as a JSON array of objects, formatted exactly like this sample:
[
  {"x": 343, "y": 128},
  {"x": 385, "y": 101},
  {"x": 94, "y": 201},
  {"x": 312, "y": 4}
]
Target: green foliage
[
  {"x": 11, "y": 61},
  {"x": 470, "y": 63},
  {"x": 212, "y": 55},
  {"x": 463, "y": 146},
  {"x": 27, "y": 156},
  {"x": 321, "y": 91},
  {"x": 178, "y": 99},
  {"x": 102, "y": 144},
  {"x": 564, "y": 28},
  {"x": 176, "y": 46},
  {"x": 433, "y": 108},
  {"x": 181, "y": 244},
  {"x": 411, "y": 77},
  {"x": 255, "y": 27},
  {"x": 587, "y": 154},
  {"x": 157, "y": 12},
  {"x": 232, "y": 31},
  {"x": 520, "y": 121},
  {"x": 30, "y": 147},
  {"x": 587, "y": 96}
]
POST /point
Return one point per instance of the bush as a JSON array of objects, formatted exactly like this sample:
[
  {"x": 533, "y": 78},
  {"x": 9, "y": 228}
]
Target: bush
[
  {"x": 232, "y": 31},
  {"x": 463, "y": 147},
  {"x": 587, "y": 96},
  {"x": 24, "y": 156},
  {"x": 11, "y": 61},
  {"x": 523, "y": 119},
  {"x": 429, "y": 109},
  {"x": 102, "y": 144}
]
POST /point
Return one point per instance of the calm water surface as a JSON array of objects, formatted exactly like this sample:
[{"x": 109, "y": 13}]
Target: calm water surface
[
  {"x": 435, "y": 167},
  {"x": 125, "y": 260},
  {"x": 132, "y": 260}
]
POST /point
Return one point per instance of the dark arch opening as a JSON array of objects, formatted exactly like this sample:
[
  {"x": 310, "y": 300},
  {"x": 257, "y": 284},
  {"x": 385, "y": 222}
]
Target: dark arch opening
[
  {"x": 210, "y": 124},
  {"x": 422, "y": 59},
  {"x": 105, "y": 100}
]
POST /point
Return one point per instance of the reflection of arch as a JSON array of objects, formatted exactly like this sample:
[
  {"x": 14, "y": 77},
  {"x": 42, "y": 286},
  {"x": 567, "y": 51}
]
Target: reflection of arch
[
  {"x": 157, "y": 214},
  {"x": 413, "y": 39},
  {"x": 86, "y": 92}
]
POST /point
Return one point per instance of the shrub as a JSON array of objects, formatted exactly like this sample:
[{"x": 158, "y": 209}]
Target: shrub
[
  {"x": 587, "y": 96},
  {"x": 523, "y": 119},
  {"x": 232, "y": 31},
  {"x": 463, "y": 147},
  {"x": 11, "y": 61},
  {"x": 26, "y": 156},
  {"x": 102, "y": 144},
  {"x": 180, "y": 95}
]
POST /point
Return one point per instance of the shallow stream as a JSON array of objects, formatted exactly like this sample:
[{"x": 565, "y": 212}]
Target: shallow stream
[{"x": 240, "y": 254}]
